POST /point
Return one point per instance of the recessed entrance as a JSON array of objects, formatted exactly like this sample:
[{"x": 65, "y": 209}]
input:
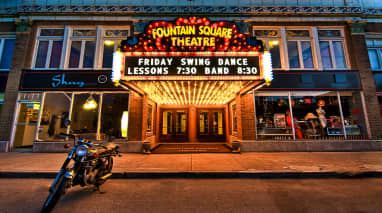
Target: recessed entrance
[
  {"x": 211, "y": 125},
  {"x": 192, "y": 125},
  {"x": 173, "y": 125}
]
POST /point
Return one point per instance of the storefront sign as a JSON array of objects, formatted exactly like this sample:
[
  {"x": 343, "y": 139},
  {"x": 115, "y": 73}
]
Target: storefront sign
[
  {"x": 190, "y": 35},
  {"x": 192, "y": 49},
  {"x": 313, "y": 80},
  {"x": 66, "y": 80},
  {"x": 189, "y": 66},
  {"x": 59, "y": 81}
]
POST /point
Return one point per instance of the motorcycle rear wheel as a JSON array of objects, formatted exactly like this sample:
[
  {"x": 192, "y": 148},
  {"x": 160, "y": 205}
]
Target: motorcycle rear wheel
[{"x": 54, "y": 196}]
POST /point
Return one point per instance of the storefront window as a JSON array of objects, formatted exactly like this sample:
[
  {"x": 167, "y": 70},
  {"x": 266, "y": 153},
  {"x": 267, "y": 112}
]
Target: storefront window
[
  {"x": 274, "y": 49},
  {"x": 375, "y": 54},
  {"x": 82, "y": 51},
  {"x": 271, "y": 40},
  {"x": 374, "y": 59},
  {"x": 293, "y": 55},
  {"x": 299, "y": 49},
  {"x": 55, "y": 111},
  {"x": 49, "y": 50},
  {"x": 6, "y": 53},
  {"x": 108, "y": 50},
  {"x": 332, "y": 49},
  {"x": 109, "y": 47},
  {"x": 317, "y": 114},
  {"x": 353, "y": 115},
  {"x": 325, "y": 54},
  {"x": 85, "y": 115},
  {"x": 273, "y": 116},
  {"x": 111, "y": 41},
  {"x": 114, "y": 116}
]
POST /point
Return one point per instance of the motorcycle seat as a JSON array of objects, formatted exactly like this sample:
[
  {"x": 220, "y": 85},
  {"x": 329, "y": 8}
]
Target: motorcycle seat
[
  {"x": 106, "y": 147},
  {"x": 110, "y": 146}
]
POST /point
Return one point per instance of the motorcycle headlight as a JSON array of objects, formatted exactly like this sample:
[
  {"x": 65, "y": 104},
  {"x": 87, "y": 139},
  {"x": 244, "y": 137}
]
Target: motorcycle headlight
[{"x": 81, "y": 151}]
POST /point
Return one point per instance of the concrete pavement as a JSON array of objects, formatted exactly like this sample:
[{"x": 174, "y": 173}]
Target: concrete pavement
[
  {"x": 177, "y": 195},
  {"x": 283, "y": 164}
]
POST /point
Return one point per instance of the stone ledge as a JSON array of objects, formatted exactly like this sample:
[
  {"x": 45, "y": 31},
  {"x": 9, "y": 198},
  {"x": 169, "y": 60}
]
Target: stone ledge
[{"x": 311, "y": 146}]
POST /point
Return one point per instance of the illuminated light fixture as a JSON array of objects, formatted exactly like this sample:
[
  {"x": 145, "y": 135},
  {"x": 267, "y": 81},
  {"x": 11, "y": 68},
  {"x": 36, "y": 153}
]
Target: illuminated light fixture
[
  {"x": 36, "y": 106},
  {"x": 192, "y": 92},
  {"x": 124, "y": 123},
  {"x": 108, "y": 42},
  {"x": 274, "y": 42},
  {"x": 117, "y": 66},
  {"x": 267, "y": 67},
  {"x": 90, "y": 103}
]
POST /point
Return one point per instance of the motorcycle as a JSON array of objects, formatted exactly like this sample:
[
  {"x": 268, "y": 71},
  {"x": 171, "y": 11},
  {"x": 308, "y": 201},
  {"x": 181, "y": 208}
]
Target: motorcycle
[{"x": 87, "y": 164}]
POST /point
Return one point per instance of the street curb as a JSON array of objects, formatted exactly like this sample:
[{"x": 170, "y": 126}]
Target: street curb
[{"x": 206, "y": 175}]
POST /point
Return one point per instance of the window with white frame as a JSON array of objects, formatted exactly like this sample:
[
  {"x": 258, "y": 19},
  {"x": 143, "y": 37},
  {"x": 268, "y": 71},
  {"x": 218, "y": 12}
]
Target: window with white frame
[
  {"x": 374, "y": 48},
  {"x": 94, "y": 115},
  {"x": 82, "y": 48},
  {"x": 111, "y": 41},
  {"x": 48, "y": 51},
  {"x": 331, "y": 43},
  {"x": 299, "y": 47},
  {"x": 6, "y": 52},
  {"x": 271, "y": 39}
]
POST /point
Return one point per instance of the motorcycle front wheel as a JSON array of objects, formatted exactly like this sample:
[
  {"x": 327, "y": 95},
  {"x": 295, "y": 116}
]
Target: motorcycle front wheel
[{"x": 54, "y": 196}]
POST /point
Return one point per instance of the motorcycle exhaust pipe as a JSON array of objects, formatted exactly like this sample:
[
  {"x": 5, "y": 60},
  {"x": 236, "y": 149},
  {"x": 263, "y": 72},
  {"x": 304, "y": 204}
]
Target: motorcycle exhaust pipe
[{"x": 105, "y": 176}]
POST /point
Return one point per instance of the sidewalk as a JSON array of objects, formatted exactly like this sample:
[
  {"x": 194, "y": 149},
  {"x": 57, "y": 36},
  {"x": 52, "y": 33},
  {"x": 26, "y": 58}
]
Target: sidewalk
[{"x": 281, "y": 164}]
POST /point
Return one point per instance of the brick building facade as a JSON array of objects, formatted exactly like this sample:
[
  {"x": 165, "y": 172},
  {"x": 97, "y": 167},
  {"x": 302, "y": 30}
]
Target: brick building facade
[{"x": 325, "y": 94}]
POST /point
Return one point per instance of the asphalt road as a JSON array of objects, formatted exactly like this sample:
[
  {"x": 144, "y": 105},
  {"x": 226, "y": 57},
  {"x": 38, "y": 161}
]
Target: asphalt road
[{"x": 201, "y": 195}]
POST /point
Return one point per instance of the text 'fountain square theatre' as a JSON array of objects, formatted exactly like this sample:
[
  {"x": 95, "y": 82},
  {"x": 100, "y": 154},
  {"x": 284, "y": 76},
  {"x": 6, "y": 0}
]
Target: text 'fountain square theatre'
[
  {"x": 176, "y": 79},
  {"x": 191, "y": 74}
]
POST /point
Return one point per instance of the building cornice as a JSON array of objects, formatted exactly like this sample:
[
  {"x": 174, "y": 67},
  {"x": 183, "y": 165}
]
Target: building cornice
[{"x": 242, "y": 10}]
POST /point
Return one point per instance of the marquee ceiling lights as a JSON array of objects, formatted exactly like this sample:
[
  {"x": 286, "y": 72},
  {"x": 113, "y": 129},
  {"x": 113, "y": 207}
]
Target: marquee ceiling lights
[{"x": 192, "y": 92}]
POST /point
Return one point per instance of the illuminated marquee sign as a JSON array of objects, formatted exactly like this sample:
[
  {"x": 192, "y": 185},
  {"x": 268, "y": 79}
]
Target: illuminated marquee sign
[{"x": 190, "y": 49}]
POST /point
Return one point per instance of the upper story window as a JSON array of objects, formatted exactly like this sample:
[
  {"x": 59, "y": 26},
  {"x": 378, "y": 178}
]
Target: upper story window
[
  {"x": 82, "y": 48},
  {"x": 111, "y": 40},
  {"x": 331, "y": 42},
  {"x": 6, "y": 52},
  {"x": 304, "y": 47},
  {"x": 272, "y": 41},
  {"x": 299, "y": 49},
  {"x": 374, "y": 48},
  {"x": 48, "y": 51}
]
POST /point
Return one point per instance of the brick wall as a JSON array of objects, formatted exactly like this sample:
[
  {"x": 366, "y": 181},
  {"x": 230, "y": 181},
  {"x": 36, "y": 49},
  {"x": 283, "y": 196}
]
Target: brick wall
[
  {"x": 7, "y": 27},
  {"x": 21, "y": 54},
  {"x": 360, "y": 56},
  {"x": 373, "y": 27},
  {"x": 239, "y": 134},
  {"x": 135, "y": 117},
  {"x": 248, "y": 117}
]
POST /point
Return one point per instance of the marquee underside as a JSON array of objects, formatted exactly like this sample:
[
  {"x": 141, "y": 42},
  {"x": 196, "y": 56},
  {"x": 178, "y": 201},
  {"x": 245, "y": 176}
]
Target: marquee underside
[{"x": 193, "y": 92}]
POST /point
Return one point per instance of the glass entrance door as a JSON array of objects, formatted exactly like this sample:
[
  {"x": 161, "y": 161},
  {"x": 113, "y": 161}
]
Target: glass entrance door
[
  {"x": 26, "y": 124},
  {"x": 173, "y": 125},
  {"x": 211, "y": 125}
]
